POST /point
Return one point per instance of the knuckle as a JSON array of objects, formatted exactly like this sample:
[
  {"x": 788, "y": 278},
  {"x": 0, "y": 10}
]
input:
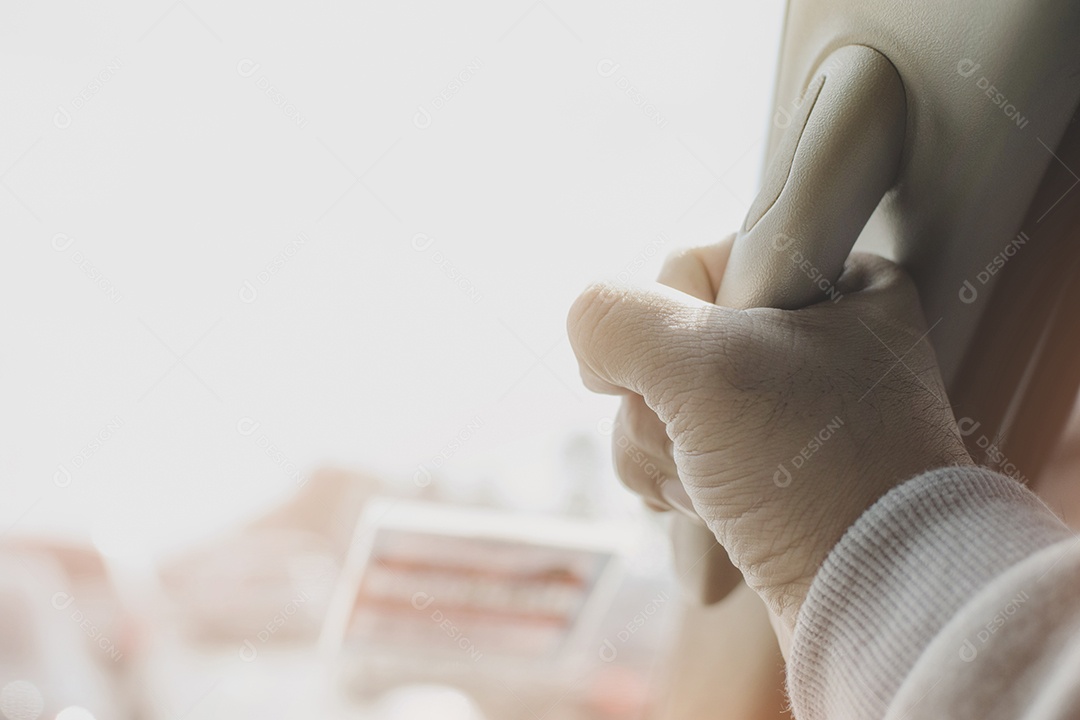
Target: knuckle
[{"x": 589, "y": 310}]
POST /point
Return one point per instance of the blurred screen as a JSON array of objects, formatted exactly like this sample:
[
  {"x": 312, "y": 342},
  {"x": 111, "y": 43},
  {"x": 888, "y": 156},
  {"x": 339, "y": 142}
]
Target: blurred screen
[{"x": 267, "y": 263}]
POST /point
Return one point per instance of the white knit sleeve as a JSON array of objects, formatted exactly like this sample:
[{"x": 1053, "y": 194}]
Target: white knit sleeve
[{"x": 957, "y": 595}]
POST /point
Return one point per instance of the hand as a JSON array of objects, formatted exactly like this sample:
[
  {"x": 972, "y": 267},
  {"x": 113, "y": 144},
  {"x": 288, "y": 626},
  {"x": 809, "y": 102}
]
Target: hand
[
  {"x": 785, "y": 425},
  {"x": 642, "y": 451}
]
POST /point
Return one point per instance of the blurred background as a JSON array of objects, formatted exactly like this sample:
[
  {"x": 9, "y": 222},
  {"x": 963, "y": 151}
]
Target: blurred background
[{"x": 266, "y": 263}]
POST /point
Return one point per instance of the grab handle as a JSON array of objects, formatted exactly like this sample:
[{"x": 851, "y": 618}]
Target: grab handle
[{"x": 838, "y": 157}]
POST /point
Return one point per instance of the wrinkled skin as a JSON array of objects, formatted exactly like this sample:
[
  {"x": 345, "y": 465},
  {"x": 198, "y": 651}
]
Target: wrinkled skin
[{"x": 780, "y": 427}]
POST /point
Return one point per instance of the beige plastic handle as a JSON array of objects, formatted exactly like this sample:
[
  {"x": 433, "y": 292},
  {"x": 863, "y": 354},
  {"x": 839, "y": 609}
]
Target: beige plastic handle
[{"x": 838, "y": 157}]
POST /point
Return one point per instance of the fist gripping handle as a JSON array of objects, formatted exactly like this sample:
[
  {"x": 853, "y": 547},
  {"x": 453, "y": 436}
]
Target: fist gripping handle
[{"x": 837, "y": 158}]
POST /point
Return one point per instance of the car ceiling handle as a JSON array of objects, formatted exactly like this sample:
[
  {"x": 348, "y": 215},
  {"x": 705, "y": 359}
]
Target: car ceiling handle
[{"x": 839, "y": 155}]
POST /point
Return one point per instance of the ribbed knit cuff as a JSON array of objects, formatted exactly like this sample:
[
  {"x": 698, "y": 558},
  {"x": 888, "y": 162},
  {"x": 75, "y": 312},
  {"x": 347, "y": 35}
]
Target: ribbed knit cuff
[{"x": 898, "y": 575}]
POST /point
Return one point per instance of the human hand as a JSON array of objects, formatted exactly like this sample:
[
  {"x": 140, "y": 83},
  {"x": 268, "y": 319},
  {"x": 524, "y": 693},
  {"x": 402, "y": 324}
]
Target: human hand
[
  {"x": 644, "y": 455},
  {"x": 785, "y": 426},
  {"x": 642, "y": 451}
]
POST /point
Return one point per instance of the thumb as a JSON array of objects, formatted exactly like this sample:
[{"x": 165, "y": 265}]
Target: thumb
[{"x": 638, "y": 340}]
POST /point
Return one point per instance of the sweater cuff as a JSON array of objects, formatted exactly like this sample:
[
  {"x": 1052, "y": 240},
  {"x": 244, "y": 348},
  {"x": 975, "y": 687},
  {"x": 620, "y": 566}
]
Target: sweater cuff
[{"x": 898, "y": 575}]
